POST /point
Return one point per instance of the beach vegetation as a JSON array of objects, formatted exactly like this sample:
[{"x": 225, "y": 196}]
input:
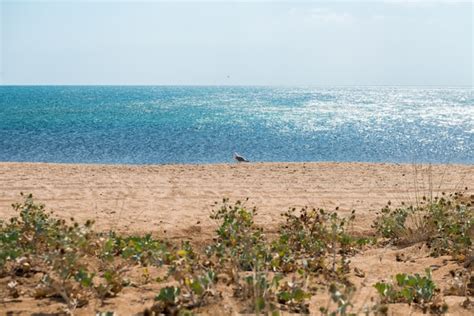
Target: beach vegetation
[
  {"x": 191, "y": 292},
  {"x": 144, "y": 250},
  {"x": 412, "y": 289},
  {"x": 445, "y": 224},
  {"x": 75, "y": 262},
  {"x": 239, "y": 241},
  {"x": 316, "y": 241},
  {"x": 341, "y": 297},
  {"x": 277, "y": 273}
]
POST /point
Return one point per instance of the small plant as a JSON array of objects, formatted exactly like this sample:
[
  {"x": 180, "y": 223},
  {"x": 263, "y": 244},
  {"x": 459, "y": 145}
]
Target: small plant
[
  {"x": 9, "y": 250},
  {"x": 60, "y": 248},
  {"x": 192, "y": 292},
  {"x": 411, "y": 289},
  {"x": 307, "y": 239},
  {"x": 341, "y": 296},
  {"x": 78, "y": 263},
  {"x": 453, "y": 221},
  {"x": 144, "y": 250},
  {"x": 259, "y": 289},
  {"x": 444, "y": 223},
  {"x": 111, "y": 285},
  {"x": 391, "y": 222},
  {"x": 294, "y": 297},
  {"x": 167, "y": 301},
  {"x": 195, "y": 284},
  {"x": 238, "y": 239}
]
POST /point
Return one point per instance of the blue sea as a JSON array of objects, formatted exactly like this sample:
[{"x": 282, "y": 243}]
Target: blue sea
[{"x": 185, "y": 124}]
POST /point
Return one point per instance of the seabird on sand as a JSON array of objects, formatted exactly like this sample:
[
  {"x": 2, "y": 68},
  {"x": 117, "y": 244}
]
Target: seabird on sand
[{"x": 239, "y": 158}]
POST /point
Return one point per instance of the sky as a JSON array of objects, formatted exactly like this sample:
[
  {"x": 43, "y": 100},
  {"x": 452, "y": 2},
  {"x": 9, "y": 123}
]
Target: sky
[{"x": 386, "y": 42}]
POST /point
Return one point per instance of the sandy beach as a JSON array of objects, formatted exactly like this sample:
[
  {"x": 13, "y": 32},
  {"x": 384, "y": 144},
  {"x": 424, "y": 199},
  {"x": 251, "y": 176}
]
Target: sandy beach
[
  {"x": 176, "y": 200},
  {"x": 236, "y": 158}
]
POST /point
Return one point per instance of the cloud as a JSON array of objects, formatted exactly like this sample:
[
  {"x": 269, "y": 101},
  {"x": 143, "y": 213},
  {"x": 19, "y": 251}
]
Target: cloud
[
  {"x": 426, "y": 2},
  {"x": 322, "y": 15},
  {"x": 329, "y": 16}
]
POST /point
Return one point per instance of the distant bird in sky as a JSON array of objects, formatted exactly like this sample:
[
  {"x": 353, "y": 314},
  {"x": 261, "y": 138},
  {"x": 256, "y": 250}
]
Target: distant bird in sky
[{"x": 239, "y": 158}]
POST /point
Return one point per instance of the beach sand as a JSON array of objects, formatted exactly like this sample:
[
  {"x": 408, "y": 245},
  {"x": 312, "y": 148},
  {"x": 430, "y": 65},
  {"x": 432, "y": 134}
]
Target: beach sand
[{"x": 174, "y": 201}]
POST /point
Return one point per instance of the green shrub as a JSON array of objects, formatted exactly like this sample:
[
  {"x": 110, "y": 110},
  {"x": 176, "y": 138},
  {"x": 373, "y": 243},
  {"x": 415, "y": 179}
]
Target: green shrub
[
  {"x": 309, "y": 237},
  {"x": 294, "y": 297},
  {"x": 238, "y": 239},
  {"x": 408, "y": 289},
  {"x": 77, "y": 261},
  {"x": 391, "y": 222},
  {"x": 144, "y": 250},
  {"x": 192, "y": 291},
  {"x": 445, "y": 224},
  {"x": 411, "y": 289},
  {"x": 260, "y": 289}
]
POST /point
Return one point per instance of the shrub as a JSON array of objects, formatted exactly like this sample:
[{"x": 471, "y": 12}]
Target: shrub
[
  {"x": 192, "y": 292},
  {"x": 238, "y": 239},
  {"x": 251, "y": 260},
  {"x": 445, "y": 224},
  {"x": 411, "y": 289},
  {"x": 294, "y": 297},
  {"x": 144, "y": 250},
  {"x": 308, "y": 238},
  {"x": 78, "y": 263}
]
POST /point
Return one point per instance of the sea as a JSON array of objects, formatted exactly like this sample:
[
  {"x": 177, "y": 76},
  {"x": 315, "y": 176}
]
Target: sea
[{"x": 207, "y": 124}]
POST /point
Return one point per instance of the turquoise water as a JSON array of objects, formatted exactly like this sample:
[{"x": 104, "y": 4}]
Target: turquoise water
[{"x": 141, "y": 125}]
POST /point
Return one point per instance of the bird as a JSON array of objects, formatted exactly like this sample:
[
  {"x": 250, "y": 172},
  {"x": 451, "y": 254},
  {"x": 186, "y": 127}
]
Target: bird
[{"x": 239, "y": 158}]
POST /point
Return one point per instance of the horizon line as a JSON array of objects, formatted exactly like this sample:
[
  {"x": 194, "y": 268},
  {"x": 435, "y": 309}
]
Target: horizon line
[{"x": 229, "y": 85}]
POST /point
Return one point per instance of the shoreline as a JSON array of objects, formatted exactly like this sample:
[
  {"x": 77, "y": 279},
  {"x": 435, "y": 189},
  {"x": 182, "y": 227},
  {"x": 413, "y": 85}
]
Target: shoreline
[{"x": 232, "y": 163}]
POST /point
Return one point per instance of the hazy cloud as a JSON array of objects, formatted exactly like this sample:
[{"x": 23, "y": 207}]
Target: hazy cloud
[
  {"x": 322, "y": 15},
  {"x": 330, "y": 16}
]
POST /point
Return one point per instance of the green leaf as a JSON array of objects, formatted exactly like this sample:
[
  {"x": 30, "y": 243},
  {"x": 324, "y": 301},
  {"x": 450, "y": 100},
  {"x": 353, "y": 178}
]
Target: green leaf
[
  {"x": 284, "y": 296},
  {"x": 108, "y": 276},
  {"x": 299, "y": 295},
  {"x": 84, "y": 278},
  {"x": 168, "y": 294},
  {"x": 382, "y": 288},
  {"x": 401, "y": 278},
  {"x": 407, "y": 294},
  {"x": 197, "y": 287},
  {"x": 260, "y": 304}
]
